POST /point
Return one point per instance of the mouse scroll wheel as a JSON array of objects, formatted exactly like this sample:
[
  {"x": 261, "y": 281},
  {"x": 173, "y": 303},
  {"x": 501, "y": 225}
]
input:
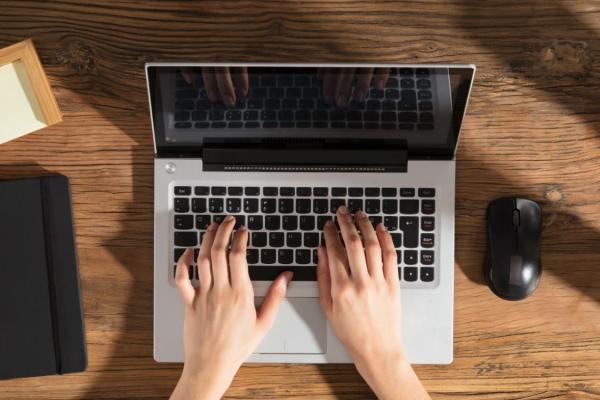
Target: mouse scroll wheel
[{"x": 516, "y": 217}]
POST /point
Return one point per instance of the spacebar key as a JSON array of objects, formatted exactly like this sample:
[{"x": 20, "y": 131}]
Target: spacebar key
[{"x": 269, "y": 273}]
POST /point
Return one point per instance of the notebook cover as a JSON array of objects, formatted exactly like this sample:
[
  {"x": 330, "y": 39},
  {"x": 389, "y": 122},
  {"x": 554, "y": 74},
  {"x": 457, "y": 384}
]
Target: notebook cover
[{"x": 41, "y": 322}]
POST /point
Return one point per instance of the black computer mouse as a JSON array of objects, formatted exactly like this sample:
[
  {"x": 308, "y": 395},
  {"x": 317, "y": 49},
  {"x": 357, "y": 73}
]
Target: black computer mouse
[{"x": 512, "y": 268}]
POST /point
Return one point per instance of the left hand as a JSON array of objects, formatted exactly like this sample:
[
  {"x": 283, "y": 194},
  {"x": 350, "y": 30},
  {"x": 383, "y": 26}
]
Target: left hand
[{"x": 222, "y": 326}]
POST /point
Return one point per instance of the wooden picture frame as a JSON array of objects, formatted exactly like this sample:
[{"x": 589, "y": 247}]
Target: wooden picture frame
[{"x": 37, "y": 87}]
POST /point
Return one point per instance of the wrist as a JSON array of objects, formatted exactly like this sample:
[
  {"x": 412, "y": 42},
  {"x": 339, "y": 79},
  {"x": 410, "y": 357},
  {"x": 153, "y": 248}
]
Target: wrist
[{"x": 206, "y": 384}]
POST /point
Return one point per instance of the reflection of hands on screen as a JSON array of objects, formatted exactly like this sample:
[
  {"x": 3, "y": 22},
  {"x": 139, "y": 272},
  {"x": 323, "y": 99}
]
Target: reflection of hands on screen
[
  {"x": 340, "y": 85},
  {"x": 222, "y": 84},
  {"x": 339, "y": 82}
]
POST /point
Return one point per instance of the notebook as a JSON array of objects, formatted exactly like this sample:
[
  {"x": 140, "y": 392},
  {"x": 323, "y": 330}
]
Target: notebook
[{"x": 40, "y": 305}]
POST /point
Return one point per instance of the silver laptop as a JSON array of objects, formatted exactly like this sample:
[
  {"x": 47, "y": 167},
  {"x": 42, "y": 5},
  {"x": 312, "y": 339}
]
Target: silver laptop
[{"x": 282, "y": 159}]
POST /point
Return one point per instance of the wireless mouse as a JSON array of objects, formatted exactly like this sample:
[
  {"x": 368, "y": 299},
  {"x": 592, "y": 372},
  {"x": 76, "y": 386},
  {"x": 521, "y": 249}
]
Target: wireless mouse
[{"x": 512, "y": 268}]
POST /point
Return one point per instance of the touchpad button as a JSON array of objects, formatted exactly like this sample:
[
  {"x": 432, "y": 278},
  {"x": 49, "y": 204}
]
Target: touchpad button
[{"x": 300, "y": 328}]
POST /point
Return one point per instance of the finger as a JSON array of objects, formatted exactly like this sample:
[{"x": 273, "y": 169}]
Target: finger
[
  {"x": 380, "y": 78},
  {"x": 189, "y": 75},
  {"x": 182, "y": 277},
  {"x": 354, "y": 246},
  {"x": 324, "y": 280},
  {"x": 203, "y": 261},
  {"x": 210, "y": 84},
  {"x": 238, "y": 264},
  {"x": 225, "y": 84},
  {"x": 337, "y": 258},
  {"x": 268, "y": 309},
  {"x": 239, "y": 77},
  {"x": 390, "y": 259},
  {"x": 371, "y": 244},
  {"x": 218, "y": 253},
  {"x": 363, "y": 84},
  {"x": 344, "y": 87},
  {"x": 330, "y": 79}
]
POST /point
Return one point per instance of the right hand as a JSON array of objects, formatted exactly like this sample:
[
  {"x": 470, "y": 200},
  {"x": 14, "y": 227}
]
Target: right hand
[
  {"x": 222, "y": 84},
  {"x": 359, "y": 289}
]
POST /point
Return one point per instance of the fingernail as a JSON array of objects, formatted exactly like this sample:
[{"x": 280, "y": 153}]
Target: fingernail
[
  {"x": 381, "y": 227},
  {"x": 361, "y": 214},
  {"x": 229, "y": 218},
  {"x": 229, "y": 100},
  {"x": 329, "y": 224},
  {"x": 343, "y": 210},
  {"x": 341, "y": 101},
  {"x": 212, "y": 226}
]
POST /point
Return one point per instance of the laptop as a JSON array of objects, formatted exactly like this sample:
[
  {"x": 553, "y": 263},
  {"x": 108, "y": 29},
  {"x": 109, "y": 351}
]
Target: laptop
[{"x": 282, "y": 158}]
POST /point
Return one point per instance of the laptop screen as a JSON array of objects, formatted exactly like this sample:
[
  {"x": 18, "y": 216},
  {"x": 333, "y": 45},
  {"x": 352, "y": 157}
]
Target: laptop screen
[{"x": 419, "y": 106}]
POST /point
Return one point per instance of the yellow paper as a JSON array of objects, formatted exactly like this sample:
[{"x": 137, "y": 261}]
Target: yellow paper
[{"x": 20, "y": 112}]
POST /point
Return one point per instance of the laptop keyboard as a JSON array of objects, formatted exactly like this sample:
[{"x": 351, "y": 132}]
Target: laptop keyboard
[
  {"x": 285, "y": 224},
  {"x": 294, "y": 101}
]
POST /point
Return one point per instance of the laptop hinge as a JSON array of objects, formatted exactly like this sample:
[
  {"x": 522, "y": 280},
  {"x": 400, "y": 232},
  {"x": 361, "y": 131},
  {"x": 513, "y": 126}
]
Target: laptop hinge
[{"x": 305, "y": 159}]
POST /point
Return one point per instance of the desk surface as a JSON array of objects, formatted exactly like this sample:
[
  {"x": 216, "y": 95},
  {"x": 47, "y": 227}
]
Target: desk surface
[{"x": 533, "y": 129}]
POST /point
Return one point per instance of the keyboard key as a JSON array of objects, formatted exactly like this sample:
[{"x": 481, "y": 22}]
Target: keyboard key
[
  {"x": 218, "y": 218},
  {"x": 270, "y": 191},
  {"x": 199, "y": 115},
  {"x": 373, "y": 206},
  {"x": 426, "y": 192},
  {"x": 293, "y": 239},
  {"x": 252, "y": 256},
  {"x": 397, "y": 239},
  {"x": 201, "y": 190},
  {"x": 410, "y": 227},
  {"x": 286, "y": 206},
  {"x": 407, "y": 192},
  {"x": 186, "y": 94},
  {"x": 285, "y": 256},
  {"x": 410, "y": 274},
  {"x": 424, "y": 95},
  {"x": 423, "y": 83},
  {"x": 255, "y": 222},
  {"x": 286, "y": 191},
  {"x": 201, "y": 125},
  {"x": 252, "y": 125},
  {"x": 182, "y": 205},
  {"x": 235, "y": 191},
  {"x": 183, "y": 125},
  {"x": 388, "y": 192},
  {"x": 250, "y": 205},
  {"x": 335, "y": 204},
  {"x": 427, "y": 274},
  {"x": 184, "y": 105},
  {"x": 405, "y": 71},
  {"x": 407, "y": 117},
  {"x": 303, "y": 191},
  {"x": 408, "y": 101},
  {"x": 311, "y": 239},
  {"x": 409, "y": 206},
  {"x": 338, "y": 191},
  {"x": 218, "y": 190},
  {"x": 276, "y": 239},
  {"x": 422, "y": 72},
  {"x": 425, "y": 127},
  {"x": 269, "y": 273},
  {"x": 321, "y": 220},
  {"x": 320, "y": 206},
  {"x": 428, "y": 206},
  {"x": 268, "y": 256},
  {"x": 198, "y": 205},
  {"x": 355, "y": 192},
  {"x": 410, "y": 257},
  {"x": 268, "y": 206},
  {"x": 178, "y": 252},
  {"x": 315, "y": 257},
  {"x": 202, "y": 221},
  {"x": 259, "y": 239},
  {"x": 355, "y": 205},
  {"x": 183, "y": 190},
  {"x": 215, "y": 205},
  {"x": 425, "y": 106},
  {"x": 234, "y": 205},
  {"x": 272, "y": 222},
  {"x": 303, "y": 206},
  {"x": 252, "y": 191},
  {"x": 307, "y": 222},
  {"x": 426, "y": 117},
  {"x": 375, "y": 220},
  {"x": 372, "y": 192},
  {"x": 390, "y": 206},
  {"x": 427, "y": 257},
  {"x": 320, "y": 191},
  {"x": 427, "y": 240},
  {"x": 186, "y": 239},
  {"x": 302, "y": 256},
  {"x": 427, "y": 223},
  {"x": 184, "y": 222},
  {"x": 407, "y": 83},
  {"x": 391, "y": 223},
  {"x": 289, "y": 222}
]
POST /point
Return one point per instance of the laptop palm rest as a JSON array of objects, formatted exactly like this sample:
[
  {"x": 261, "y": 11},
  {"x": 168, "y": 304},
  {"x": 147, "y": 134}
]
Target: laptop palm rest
[{"x": 300, "y": 328}]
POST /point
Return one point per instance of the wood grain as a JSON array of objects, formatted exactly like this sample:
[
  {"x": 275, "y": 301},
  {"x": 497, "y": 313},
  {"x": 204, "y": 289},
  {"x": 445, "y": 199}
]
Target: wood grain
[{"x": 533, "y": 129}]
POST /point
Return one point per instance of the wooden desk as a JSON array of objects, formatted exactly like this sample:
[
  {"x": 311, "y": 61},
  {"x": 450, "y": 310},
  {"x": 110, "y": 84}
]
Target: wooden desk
[{"x": 533, "y": 129}]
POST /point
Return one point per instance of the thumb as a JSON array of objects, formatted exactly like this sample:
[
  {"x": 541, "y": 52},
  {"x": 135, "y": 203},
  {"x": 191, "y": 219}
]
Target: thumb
[{"x": 270, "y": 305}]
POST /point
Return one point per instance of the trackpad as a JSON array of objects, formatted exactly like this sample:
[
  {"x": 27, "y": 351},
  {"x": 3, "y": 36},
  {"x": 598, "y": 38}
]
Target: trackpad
[{"x": 300, "y": 328}]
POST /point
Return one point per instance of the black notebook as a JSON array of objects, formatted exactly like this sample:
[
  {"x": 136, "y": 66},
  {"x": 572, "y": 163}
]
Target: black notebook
[{"x": 41, "y": 321}]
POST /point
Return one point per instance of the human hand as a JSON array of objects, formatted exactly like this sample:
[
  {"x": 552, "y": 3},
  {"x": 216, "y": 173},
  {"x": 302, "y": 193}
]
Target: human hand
[
  {"x": 338, "y": 83},
  {"x": 224, "y": 84},
  {"x": 222, "y": 326},
  {"x": 360, "y": 295}
]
